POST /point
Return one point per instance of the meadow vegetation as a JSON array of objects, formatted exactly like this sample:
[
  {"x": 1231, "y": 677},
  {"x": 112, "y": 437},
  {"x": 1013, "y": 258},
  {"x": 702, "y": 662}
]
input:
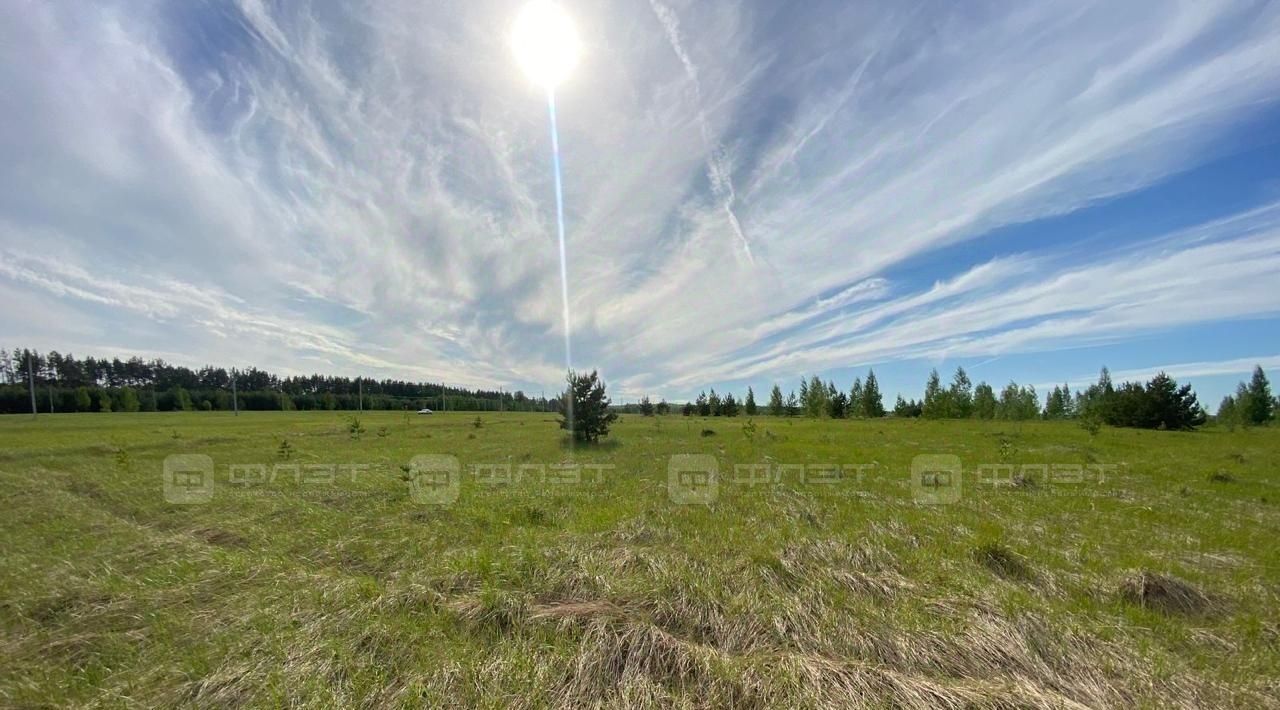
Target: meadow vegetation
[{"x": 1117, "y": 568}]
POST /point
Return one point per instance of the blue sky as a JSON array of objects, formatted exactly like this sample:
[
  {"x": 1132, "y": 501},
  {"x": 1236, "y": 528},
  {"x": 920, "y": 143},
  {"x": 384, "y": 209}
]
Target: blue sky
[{"x": 754, "y": 192}]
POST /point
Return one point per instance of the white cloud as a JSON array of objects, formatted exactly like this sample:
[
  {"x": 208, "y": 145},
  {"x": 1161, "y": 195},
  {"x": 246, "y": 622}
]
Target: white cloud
[{"x": 369, "y": 185}]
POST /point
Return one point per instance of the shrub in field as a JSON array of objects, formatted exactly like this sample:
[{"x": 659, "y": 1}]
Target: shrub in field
[
  {"x": 1091, "y": 421},
  {"x": 591, "y": 415}
]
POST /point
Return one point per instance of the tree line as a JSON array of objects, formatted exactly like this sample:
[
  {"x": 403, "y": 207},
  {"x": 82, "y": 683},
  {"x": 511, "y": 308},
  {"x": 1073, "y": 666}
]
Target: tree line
[
  {"x": 65, "y": 383},
  {"x": 1160, "y": 403},
  {"x": 816, "y": 399}
]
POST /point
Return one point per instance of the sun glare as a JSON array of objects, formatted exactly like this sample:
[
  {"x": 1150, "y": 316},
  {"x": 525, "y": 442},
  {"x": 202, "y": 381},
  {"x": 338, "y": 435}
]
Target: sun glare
[{"x": 545, "y": 42}]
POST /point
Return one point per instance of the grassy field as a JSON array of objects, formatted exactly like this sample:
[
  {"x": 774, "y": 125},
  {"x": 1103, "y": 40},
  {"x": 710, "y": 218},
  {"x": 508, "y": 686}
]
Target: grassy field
[{"x": 1130, "y": 568}]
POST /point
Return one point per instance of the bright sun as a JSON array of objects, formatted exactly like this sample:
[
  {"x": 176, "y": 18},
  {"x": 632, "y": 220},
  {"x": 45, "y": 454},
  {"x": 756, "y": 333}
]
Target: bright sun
[{"x": 545, "y": 42}]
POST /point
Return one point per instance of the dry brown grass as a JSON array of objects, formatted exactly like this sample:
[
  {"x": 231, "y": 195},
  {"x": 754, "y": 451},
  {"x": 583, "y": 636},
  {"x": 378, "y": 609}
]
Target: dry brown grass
[
  {"x": 1164, "y": 593},
  {"x": 787, "y": 644}
]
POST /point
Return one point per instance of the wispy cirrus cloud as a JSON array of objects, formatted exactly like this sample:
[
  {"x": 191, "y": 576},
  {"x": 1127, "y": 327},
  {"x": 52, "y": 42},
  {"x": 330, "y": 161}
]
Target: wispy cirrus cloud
[{"x": 746, "y": 185}]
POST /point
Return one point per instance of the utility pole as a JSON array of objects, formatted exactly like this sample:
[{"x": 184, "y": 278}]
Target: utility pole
[
  {"x": 31, "y": 380},
  {"x": 235, "y": 400}
]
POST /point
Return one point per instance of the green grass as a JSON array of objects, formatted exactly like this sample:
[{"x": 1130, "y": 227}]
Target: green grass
[{"x": 1156, "y": 586}]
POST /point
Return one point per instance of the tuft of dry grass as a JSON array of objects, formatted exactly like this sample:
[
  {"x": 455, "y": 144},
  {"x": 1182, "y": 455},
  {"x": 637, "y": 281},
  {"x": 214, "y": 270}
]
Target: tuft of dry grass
[
  {"x": 1164, "y": 593},
  {"x": 1003, "y": 561},
  {"x": 864, "y": 569}
]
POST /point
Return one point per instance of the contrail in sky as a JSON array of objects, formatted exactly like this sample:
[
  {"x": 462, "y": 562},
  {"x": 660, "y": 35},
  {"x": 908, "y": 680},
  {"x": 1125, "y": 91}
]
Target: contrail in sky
[{"x": 718, "y": 168}]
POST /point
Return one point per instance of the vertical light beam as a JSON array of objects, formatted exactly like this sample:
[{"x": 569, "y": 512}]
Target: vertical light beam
[{"x": 564, "y": 269}]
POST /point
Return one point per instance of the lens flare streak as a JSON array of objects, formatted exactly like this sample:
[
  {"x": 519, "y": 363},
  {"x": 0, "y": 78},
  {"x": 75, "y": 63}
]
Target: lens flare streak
[{"x": 564, "y": 270}]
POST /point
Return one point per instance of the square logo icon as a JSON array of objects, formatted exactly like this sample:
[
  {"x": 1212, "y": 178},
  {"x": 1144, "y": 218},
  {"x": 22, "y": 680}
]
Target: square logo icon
[
  {"x": 188, "y": 479},
  {"x": 936, "y": 479},
  {"x": 436, "y": 479},
  {"x": 693, "y": 479}
]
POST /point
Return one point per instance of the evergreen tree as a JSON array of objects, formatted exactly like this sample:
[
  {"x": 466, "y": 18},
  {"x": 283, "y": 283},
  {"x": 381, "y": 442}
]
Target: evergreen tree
[
  {"x": 856, "y": 407},
  {"x": 961, "y": 396},
  {"x": 1029, "y": 403},
  {"x": 816, "y": 404},
  {"x": 1260, "y": 407},
  {"x": 688, "y": 409},
  {"x": 750, "y": 406},
  {"x": 1172, "y": 407},
  {"x": 591, "y": 414},
  {"x": 1010, "y": 404},
  {"x": 729, "y": 406},
  {"x": 935, "y": 404},
  {"x": 984, "y": 401},
  {"x": 1129, "y": 406},
  {"x": 1056, "y": 404},
  {"x": 1104, "y": 395},
  {"x": 872, "y": 400},
  {"x": 793, "y": 404},
  {"x": 838, "y": 405},
  {"x": 704, "y": 405},
  {"x": 907, "y": 408},
  {"x": 713, "y": 403},
  {"x": 646, "y": 406},
  {"x": 664, "y": 408},
  {"x": 776, "y": 406}
]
